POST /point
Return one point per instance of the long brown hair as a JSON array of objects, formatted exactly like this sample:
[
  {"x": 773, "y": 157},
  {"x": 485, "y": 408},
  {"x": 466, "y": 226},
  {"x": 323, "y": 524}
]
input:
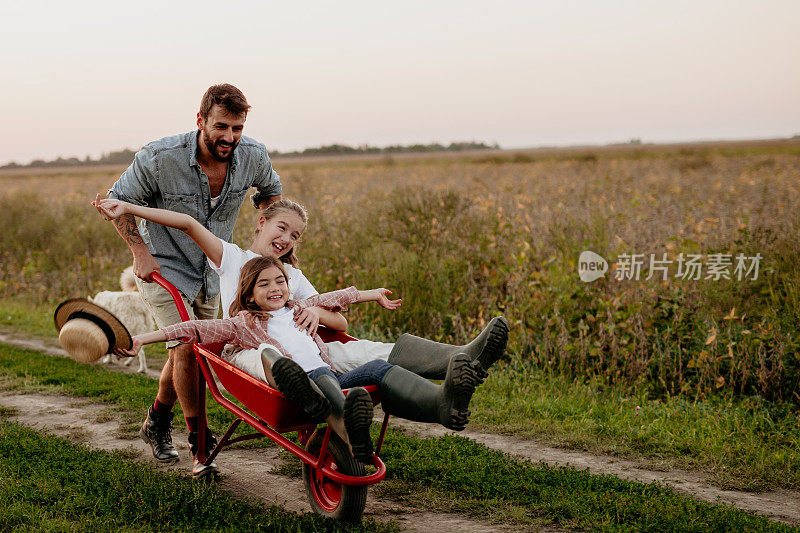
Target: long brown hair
[
  {"x": 273, "y": 210},
  {"x": 247, "y": 282}
]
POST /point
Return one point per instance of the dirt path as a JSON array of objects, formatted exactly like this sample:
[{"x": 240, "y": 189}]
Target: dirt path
[
  {"x": 246, "y": 473},
  {"x": 783, "y": 505}
]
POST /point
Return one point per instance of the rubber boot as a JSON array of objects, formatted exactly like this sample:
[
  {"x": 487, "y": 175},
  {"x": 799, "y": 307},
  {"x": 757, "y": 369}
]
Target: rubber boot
[
  {"x": 294, "y": 383},
  {"x": 413, "y": 397},
  {"x": 429, "y": 359},
  {"x": 356, "y": 409}
]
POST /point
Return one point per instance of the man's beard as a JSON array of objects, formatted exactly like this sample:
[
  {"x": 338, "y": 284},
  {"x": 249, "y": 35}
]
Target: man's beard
[{"x": 212, "y": 148}]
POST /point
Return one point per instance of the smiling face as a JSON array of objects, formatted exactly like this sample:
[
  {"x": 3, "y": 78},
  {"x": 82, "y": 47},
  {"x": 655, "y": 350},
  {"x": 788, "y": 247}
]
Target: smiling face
[
  {"x": 220, "y": 133},
  {"x": 271, "y": 291},
  {"x": 277, "y": 236}
]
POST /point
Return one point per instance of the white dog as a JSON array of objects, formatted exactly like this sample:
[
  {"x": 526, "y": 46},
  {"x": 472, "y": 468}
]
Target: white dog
[{"x": 129, "y": 308}]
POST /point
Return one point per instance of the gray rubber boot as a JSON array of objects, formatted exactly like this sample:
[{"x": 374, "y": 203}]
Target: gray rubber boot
[
  {"x": 413, "y": 397},
  {"x": 293, "y": 376},
  {"x": 355, "y": 409},
  {"x": 429, "y": 359},
  {"x": 333, "y": 392}
]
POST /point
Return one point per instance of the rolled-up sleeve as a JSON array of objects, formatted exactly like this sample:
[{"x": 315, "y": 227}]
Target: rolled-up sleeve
[
  {"x": 138, "y": 183},
  {"x": 267, "y": 180},
  {"x": 333, "y": 301}
]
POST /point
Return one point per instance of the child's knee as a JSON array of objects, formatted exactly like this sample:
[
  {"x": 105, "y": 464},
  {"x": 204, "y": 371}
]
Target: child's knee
[{"x": 377, "y": 369}]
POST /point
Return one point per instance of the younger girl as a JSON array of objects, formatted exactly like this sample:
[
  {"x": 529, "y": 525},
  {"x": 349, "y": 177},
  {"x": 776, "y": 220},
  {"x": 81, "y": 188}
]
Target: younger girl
[{"x": 263, "y": 319}]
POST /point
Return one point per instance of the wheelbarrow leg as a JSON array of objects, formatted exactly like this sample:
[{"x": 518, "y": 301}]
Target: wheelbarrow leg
[
  {"x": 382, "y": 435},
  {"x": 202, "y": 422}
]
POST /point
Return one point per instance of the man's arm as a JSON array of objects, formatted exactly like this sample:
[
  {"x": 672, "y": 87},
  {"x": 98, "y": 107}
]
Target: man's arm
[
  {"x": 263, "y": 202},
  {"x": 268, "y": 183},
  {"x": 136, "y": 185},
  {"x": 144, "y": 264}
]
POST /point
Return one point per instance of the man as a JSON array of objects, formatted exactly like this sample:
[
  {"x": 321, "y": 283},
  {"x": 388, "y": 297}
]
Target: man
[{"x": 205, "y": 173}]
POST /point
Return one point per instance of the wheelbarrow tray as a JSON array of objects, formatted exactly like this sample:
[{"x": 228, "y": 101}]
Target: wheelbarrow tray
[{"x": 265, "y": 408}]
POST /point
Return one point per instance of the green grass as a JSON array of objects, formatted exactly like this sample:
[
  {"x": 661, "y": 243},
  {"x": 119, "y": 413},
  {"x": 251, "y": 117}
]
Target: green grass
[
  {"x": 128, "y": 394},
  {"x": 49, "y": 484},
  {"x": 448, "y": 473},
  {"x": 16, "y": 315},
  {"x": 456, "y": 475},
  {"x": 743, "y": 443}
]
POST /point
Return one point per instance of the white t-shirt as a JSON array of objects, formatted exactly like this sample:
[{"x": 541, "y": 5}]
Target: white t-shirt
[
  {"x": 299, "y": 344},
  {"x": 234, "y": 258}
]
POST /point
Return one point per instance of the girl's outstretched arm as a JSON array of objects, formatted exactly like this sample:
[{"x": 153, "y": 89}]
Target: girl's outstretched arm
[
  {"x": 207, "y": 241},
  {"x": 141, "y": 340},
  {"x": 381, "y": 296},
  {"x": 339, "y": 300},
  {"x": 192, "y": 331}
]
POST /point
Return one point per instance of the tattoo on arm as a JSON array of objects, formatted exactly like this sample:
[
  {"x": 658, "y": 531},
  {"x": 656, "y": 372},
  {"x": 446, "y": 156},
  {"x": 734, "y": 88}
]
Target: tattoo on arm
[{"x": 126, "y": 226}]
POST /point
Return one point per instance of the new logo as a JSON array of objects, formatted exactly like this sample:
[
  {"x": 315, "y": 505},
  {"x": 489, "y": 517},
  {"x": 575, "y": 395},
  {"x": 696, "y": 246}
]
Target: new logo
[{"x": 591, "y": 266}]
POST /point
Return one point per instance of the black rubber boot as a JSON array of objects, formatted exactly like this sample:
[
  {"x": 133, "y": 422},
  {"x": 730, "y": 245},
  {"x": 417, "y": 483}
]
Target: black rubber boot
[
  {"x": 357, "y": 420},
  {"x": 356, "y": 410},
  {"x": 294, "y": 383},
  {"x": 413, "y": 397},
  {"x": 430, "y": 359},
  {"x": 157, "y": 432}
]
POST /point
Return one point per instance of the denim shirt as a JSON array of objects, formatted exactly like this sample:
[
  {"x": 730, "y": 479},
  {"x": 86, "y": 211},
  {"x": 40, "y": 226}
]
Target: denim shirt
[{"x": 165, "y": 174}]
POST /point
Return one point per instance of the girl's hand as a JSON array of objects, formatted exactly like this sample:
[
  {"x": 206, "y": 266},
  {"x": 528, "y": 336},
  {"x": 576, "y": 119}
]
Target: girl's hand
[
  {"x": 307, "y": 320},
  {"x": 134, "y": 351},
  {"x": 381, "y": 297},
  {"x": 109, "y": 208}
]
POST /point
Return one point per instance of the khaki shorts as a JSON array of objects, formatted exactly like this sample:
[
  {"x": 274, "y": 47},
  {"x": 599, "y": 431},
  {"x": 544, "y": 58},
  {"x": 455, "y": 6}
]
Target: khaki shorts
[{"x": 164, "y": 311}]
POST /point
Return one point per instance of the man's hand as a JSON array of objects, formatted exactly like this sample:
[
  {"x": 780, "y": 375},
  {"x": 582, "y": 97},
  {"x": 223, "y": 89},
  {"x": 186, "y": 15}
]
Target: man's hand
[
  {"x": 307, "y": 320},
  {"x": 260, "y": 201},
  {"x": 144, "y": 264}
]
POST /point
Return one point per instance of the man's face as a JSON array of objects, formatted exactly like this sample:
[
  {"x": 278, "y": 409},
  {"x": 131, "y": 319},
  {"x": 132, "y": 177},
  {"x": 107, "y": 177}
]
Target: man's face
[{"x": 220, "y": 132}]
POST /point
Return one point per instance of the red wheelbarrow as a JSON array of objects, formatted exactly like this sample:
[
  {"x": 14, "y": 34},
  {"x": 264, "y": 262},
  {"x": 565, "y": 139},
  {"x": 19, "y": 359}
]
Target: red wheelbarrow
[{"x": 335, "y": 482}]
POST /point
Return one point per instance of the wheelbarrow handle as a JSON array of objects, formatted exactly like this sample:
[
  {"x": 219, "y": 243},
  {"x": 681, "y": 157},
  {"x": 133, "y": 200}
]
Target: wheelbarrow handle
[{"x": 175, "y": 293}]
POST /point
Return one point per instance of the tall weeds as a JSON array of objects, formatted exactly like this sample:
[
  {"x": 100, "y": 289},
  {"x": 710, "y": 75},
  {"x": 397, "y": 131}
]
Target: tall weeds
[{"x": 462, "y": 241}]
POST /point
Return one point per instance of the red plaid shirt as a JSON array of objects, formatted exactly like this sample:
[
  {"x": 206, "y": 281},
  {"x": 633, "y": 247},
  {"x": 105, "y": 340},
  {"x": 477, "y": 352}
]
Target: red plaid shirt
[{"x": 249, "y": 330}]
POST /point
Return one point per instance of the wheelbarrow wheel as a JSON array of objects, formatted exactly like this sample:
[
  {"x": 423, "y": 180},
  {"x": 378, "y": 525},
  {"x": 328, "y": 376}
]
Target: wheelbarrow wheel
[{"x": 328, "y": 497}]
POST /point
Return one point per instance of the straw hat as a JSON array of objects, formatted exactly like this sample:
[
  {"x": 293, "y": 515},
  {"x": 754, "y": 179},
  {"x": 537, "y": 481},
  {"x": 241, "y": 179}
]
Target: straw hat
[{"x": 87, "y": 331}]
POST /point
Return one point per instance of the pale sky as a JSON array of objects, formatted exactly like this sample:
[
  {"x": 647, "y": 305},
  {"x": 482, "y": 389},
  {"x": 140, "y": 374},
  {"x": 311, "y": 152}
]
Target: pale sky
[{"x": 82, "y": 78}]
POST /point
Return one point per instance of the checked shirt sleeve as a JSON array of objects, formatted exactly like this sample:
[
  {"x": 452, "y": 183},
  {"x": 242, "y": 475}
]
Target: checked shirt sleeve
[
  {"x": 203, "y": 331},
  {"x": 333, "y": 301}
]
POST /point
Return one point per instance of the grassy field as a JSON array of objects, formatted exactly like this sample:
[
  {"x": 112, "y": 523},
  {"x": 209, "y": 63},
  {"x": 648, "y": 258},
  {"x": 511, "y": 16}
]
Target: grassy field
[
  {"x": 50, "y": 484},
  {"x": 449, "y": 474},
  {"x": 711, "y": 364}
]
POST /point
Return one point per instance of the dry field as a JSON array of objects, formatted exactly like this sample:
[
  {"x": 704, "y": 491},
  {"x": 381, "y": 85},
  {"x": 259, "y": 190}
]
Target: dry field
[{"x": 462, "y": 238}]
